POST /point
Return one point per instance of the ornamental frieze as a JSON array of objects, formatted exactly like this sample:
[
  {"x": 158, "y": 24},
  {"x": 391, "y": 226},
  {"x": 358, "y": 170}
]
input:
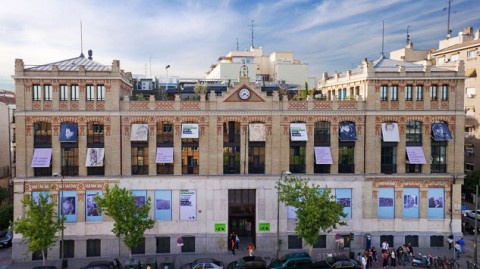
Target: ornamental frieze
[
  {"x": 411, "y": 183},
  {"x": 67, "y": 186}
]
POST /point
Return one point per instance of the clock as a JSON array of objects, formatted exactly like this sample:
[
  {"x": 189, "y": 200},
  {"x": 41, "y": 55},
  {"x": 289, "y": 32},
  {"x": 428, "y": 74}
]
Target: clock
[{"x": 244, "y": 94}]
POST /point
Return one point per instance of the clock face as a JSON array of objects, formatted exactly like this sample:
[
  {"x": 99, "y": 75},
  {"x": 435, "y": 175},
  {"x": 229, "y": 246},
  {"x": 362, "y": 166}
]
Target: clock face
[{"x": 244, "y": 93}]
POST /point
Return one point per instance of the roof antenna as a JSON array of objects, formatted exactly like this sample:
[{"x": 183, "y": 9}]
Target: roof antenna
[
  {"x": 383, "y": 36},
  {"x": 81, "y": 40},
  {"x": 408, "y": 36},
  {"x": 237, "y": 43},
  {"x": 252, "y": 32},
  {"x": 449, "y": 31}
]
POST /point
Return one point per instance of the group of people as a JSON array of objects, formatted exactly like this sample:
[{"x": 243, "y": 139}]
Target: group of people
[
  {"x": 390, "y": 256},
  {"x": 234, "y": 241},
  {"x": 459, "y": 245}
]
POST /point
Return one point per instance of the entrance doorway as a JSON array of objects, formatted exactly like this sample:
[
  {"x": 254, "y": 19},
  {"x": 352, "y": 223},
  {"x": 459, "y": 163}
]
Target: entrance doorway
[{"x": 241, "y": 216}]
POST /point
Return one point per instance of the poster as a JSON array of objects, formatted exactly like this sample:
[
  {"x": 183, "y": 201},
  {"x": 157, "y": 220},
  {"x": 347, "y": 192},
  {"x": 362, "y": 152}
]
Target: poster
[
  {"x": 140, "y": 197},
  {"x": 188, "y": 204},
  {"x": 298, "y": 132},
  {"x": 139, "y": 132},
  {"x": 410, "y": 203},
  {"x": 436, "y": 203},
  {"x": 95, "y": 157},
  {"x": 36, "y": 195},
  {"x": 68, "y": 132},
  {"x": 189, "y": 130},
  {"x": 91, "y": 207},
  {"x": 344, "y": 197},
  {"x": 386, "y": 203},
  {"x": 440, "y": 131},
  {"x": 68, "y": 205},
  {"x": 163, "y": 205}
]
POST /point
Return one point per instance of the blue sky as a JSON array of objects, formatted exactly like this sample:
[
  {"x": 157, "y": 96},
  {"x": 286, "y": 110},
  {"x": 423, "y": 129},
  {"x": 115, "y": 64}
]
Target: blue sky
[{"x": 190, "y": 35}]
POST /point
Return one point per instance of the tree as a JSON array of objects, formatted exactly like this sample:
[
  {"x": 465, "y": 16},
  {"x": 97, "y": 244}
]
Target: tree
[
  {"x": 131, "y": 219},
  {"x": 317, "y": 209},
  {"x": 40, "y": 224},
  {"x": 471, "y": 181}
]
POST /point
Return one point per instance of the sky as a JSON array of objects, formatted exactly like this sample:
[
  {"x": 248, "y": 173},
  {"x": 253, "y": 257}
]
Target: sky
[{"x": 148, "y": 35}]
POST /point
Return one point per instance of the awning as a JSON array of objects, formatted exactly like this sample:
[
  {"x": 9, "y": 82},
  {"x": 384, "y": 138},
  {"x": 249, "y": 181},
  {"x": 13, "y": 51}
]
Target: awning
[
  {"x": 68, "y": 132},
  {"x": 42, "y": 157},
  {"x": 95, "y": 157},
  {"x": 139, "y": 132},
  {"x": 415, "y": 155},
  {"x": 440, "y": 132},
  {"x": 298, "y": 132},
  {"x": 390, "y": 132},
  {"x": 347, "y": 131},
  {"x": 323, "y": 155},
  {"x": 471, "y": 72},
  {"x": 164, "y": 155}
]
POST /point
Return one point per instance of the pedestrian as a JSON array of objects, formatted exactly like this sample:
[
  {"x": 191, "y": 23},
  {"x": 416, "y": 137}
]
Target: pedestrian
[
  {"x": 385, "y": 258},
  {"x": 374, "y": 254},
  {"x": 250, "y": 249},
  {"x": 385, "y": 245},
  {"x": 458, "y": 249},
  {"x": 400, "y": 256},
  {"x": 450, "y": 241},
  {"x": 369, "y": 258},
  {"x": 237, "y": 241},
  {"x": 410, "y": 249},
  {"x": 461, "y": 242},
  {"x": 232, "y": 243},
  {"x": 364, "y": 262},
  {"x": 359, "y": 258},
  {"x": 406, "y": 258},
  {"x": 393, "y": 260}
]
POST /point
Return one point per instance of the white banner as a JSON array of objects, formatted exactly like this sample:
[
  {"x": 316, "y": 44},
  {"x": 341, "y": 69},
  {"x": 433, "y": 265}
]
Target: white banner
[
  {"x": 94, "y": 157},
  {"x": 256, "y": 132},
  {"x": 390, "y": 132},
  {"x": 298, "y": 132},
  {"x": 188, "y": 205},
  {"x": 164, "y": 155},
  {"x": 42, "y": 157},
  {"x": 189, "y": 130},
  {"x": 139, "y": 132}
]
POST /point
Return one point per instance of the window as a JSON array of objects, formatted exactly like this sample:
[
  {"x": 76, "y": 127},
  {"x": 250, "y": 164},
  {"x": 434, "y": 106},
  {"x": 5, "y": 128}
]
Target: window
[
  {"x": 42, "y": 138},
  {"x": 454, "y": 57},
  {"x": 188, "y": 244},
  {"x": 294, "y": 242},
  {"x": 433, "y": 92},
  {"x": 37, "y": 92},
  {"x": 74, "y": 91},
  {"x": 394, "y": 92},
  {"x": 471, "y": 54},
  {"x": 321, "y": 242},
  {"x": 297, "y": 156},
  {"x": 256, "y": 158},
  {"x": 321, "y": 138},
  {"x": 164, "y": 134},
  {"x": 94, "y": 247},
  {"x": 413, "y": 133},
  {"x": 469, "y": 167},
  {"x": 95, "y": 137},
  {"x": 68, "y": 249},
  {"x": 101, "y": 93},
  {"x": 389, "y": 158},
  {"x": 439, "y": 157},
  {"x": 469, "y": 150},
  {"x": 90, "y": 93},
  {"x": 47, "y": 89},
  {"x": 471, "y": 92},
  {"x": 139, "y": 158},
  {"x": 444, "y": 92},
  {"x": 437, "y": 241},
  {"x": 231, "y": 160},
  {"x": 384, "y": 93},
  {"x": 408, "y": 93},
  {"x": 139, "y": 248},
  {"x": 163, "y": 244},
  {"x": 190, "y": 156},
  {"x": 63, "y": 93},
  {"x": 419, "y": 92},
  {"x": 346, "y": 158},
  {"x": 69, "y": 159}
]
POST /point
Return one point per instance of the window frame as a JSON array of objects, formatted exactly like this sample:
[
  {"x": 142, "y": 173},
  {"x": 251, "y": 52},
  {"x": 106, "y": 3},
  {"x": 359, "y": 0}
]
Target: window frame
[
  {"x": 64, "y": 92},
  {"x": 394, "y": 90},
  {"x": 384, "y": 93},
  {"x": 419, "y": 93},
  {"x": 74, "y": 92},
  {"x": 409, "y": 93},
  {"x": 100, "y": 92},
  {"x": 37, "y": 92},
  {"x": 90, "y": 92}
]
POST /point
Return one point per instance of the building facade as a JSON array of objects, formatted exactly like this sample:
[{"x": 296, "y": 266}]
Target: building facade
[{"x": 210, "y": 166}]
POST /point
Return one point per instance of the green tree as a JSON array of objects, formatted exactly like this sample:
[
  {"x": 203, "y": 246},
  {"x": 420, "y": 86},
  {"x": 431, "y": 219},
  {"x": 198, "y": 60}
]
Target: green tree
[
  {"x": 317, "y": 209},
  {"x": 471, "y": 180},
  {"x": 200, "y": 88},
  {"x": 40, "y": 224},
  {"x": 131, "y": 220}
]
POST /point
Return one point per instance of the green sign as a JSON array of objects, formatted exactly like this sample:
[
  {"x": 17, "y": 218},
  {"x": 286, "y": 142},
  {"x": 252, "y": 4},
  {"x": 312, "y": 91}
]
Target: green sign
[
  {"x": 220, "y": 227},
  {"x": 264, "y": 227}
]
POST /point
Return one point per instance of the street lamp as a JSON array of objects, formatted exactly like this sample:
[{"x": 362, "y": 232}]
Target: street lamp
[
  {"x": 278, "y": 209},
  {"x": 62, "y": 220}
]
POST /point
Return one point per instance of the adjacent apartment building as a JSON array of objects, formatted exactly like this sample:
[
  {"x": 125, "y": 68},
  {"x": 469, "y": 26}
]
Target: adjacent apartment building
[{"x": 391, "y": 153}]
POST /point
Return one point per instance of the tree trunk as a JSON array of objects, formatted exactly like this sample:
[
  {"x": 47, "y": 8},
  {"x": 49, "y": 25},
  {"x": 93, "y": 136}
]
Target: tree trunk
[{"x": 43, "y": 257}]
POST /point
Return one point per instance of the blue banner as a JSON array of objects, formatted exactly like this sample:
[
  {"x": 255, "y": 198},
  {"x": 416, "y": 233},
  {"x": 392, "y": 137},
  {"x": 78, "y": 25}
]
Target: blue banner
[
  {"x": 140, "y": 197},
  {"x": 347, "y": 132},
  {"x": 68, "y": 132},
  {"x": 163, "y": 205},
  {"x": 386, "y": 203},
  {"x": 436, "y": 203},
  {"x": 36, "y": 195},
  {"x": 344, "y": 197},
  {"x": 440, "y": 132},
  {"x": 68, "y": 205},
  {"x": 410, "y": 203},
  {"x": 91, "y": 207}
]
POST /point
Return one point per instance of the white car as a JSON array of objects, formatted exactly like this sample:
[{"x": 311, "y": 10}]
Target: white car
[{"x": 471, "y": 213}]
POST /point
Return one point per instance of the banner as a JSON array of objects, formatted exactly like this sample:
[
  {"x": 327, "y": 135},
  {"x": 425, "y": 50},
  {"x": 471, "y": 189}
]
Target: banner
[
  {"x": 163, "y": 205},
  {"x": 410, "y": 203},
  {"x": 139, "y": 132},
  {"x": 298, "y": 132},
  {"x": 164, "y": 155},
  {"x": 436, "y": 203},
  {"x": 42, "y": 157},
  {"x": 323, "y": 155},
  {"x": 390, "y": 132},
  {"x": 95, "y": 157},
  {"x": 68, "y": 205},
  {"x": 344, "y": 197},
  {"x": 68, "y": 132},
  {"x": 91, "y": 207},
  {"x": 36, "y": 195},
  {"x": 189, "y": 130},
  {"x": 347, "y": 131},
  {"x": 440, "y": 132},
  {"x": 256, "y": 132},
  {"x": 386, "y": 203},
  {"x": 140, "y": 197},
  {"x": 415, "y": 155},
  {"x": 188, "y": 205}
]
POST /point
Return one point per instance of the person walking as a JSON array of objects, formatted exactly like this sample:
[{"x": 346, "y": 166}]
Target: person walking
[
  {"x": 374, "y": 254},
  {"x": 232, "y": 243},
  {"x": 250, "y": 249},
  {"x": 410, "y": 249},
  {"x": 237, "y": 240},
  {"x": 400, "y": 256},
  {"x": 364, "y": 261},
  {"x": 393, "y": 260},
  {"x": 369, "y": 258},
  {"x": 450, "y": 241},
  {"x": 385, "y": 245},
  {"x": 385, "y": 258},
  {"x": 461, "y": 242}
]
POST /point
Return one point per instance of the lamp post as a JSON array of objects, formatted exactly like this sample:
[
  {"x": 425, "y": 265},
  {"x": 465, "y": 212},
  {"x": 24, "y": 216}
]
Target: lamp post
[
  {"x": 278, "y": 209},
  {"x": 62, "y": 220},
  {"x": 166, "y": 85}
]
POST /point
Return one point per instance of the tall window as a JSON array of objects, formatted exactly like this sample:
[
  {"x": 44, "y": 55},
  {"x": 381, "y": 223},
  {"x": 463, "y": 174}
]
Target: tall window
[
  {"x": 47, "y": 89},
  {"x": 69, "y": 159},
  {"x": 394, "y": 92},
  {"x": 321, "y": 138},
  {"x": 42, "y": 138},
  {"x": 408, "y": 93},
  {"x": 101, "y": 93},
  {"x": 63, "y": 92},
  {"x": 439, "y": 157},
  {"x": 231, "y": 147},
  {"x": 165, "y": 139},
  {"x": 444, "y": 92},
  {"x": 384, "y": 93},
  {"x": 190, "y": 156},
  {"x": 95, "y": 139},
  {"x": 74, "y": 92},
  {"x": 90, "y": 91},
  {"x": 297, "y": 156},
  {"x": 413, "y": 137},
  {"x": 419, "y": 92},
  {"x": 139, "y": 158},
  {"x": 37, "y": 92},
  {"x": 256, "y": 158},
  {"x": 346, "y": 153},
  {"x": 434, "y": 92},
  {"x": 389, "y": 158}
]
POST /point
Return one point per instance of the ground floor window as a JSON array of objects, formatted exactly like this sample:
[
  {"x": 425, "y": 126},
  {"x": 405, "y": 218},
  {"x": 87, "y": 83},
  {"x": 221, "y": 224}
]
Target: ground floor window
[
  {"x": 437, "y": 241},
  {"x": 388, "y": 238},
  {"x": 411, "y": 239},
  {"x": 139, "y": 248},
  {"x": 37, "y": 255},
  {"x": 188, "y": 244},
  {"x": 69, "y": 249},
  {"x": 94, "y": 247},
  {"x": 295, "y": 242},
  {"x": 163, "y": 244},
  {"x": 321, "y": 242}
]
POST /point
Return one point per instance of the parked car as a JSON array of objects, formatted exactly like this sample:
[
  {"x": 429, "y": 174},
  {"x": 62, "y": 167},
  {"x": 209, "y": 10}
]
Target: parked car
[
  {"x": 248, "y": 262},
  {"x": 337, "y": 262},
  {"x": 106, "y": 264},
  {"x": 6, "y": 237},
  {"x": 298, "y": 260},
  {"x": 45, "y": 267},
  {"x": 471, "y": 213},
  {"x": 206, "y": 263}
]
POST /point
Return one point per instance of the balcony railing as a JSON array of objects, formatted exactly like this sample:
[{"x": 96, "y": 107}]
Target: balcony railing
[
  {"x": 389, "y": 168},
  {"x": 438, "y": 168},
  {"x": 231, "y": 169},
  {"x": 256, "y": 169},
  {"x": 139, "y": 169},
  {"x": 346, "y": 168}
]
